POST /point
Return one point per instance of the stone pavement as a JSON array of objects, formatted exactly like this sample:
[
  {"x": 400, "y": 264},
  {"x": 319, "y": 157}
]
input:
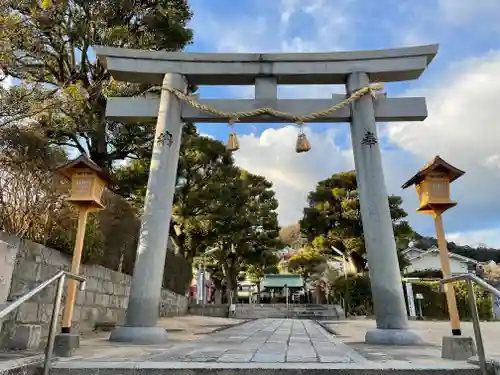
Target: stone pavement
[
  {"x": 264, "y": 341},
  {"x": 264, "y": 346},
  {"x": 352, "y": 333}
]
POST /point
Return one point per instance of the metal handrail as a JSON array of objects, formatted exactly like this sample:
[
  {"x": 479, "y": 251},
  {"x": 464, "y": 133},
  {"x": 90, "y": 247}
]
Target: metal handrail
[
  {"x": 469, "y": 278},
  {"x": 60, "y": 277}
]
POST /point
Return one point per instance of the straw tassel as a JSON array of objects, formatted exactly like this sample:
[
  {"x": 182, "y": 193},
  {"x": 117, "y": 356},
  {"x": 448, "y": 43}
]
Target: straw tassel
[
  {"x": 232, "y": 142},
  {"x": 303, "y": 144}
]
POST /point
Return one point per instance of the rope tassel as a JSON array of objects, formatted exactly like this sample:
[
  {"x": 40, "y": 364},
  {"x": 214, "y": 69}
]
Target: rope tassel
[
  {"x": 232, "y": 142},
  {"x": 303, "y": 144}
]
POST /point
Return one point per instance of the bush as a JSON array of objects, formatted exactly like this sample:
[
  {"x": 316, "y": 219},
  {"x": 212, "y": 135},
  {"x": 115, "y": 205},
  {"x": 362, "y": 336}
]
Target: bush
[
  {"x": 433, "y": 305},
  {"x": 360, "y": 300}
]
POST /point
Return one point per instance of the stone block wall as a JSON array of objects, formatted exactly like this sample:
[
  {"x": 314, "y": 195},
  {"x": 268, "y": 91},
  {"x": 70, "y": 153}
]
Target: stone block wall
[
  {"x": 219, "y": 311},
  {"x": 103, "y": 300}
]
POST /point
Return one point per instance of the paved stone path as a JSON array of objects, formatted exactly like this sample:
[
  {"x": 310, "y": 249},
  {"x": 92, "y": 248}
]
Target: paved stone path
[
  {"x": 269, "y": 346},
  {"x": 264, "y": 341}
]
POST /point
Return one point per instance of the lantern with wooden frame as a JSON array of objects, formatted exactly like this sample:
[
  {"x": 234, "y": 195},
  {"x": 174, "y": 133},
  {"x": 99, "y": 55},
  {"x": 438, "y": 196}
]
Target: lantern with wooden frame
[
  {"x": 433, "y": 186},
  {"x": 87, "y": 182}
]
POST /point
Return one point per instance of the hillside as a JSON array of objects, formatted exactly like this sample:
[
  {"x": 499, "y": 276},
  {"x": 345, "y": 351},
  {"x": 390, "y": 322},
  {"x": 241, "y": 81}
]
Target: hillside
[
  {"x": 290, "y": 233},
  {"x": 481, "y": 254}
]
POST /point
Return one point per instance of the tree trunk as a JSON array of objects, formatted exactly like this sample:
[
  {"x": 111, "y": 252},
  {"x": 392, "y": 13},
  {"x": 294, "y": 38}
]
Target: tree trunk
[
  {"x": 258, "y": 292},
  {"x": 218, "y": 296}
]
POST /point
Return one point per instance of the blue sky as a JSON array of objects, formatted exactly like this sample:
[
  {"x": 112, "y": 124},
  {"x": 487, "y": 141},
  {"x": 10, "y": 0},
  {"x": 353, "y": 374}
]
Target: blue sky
[{"x": 461, "y": 85}]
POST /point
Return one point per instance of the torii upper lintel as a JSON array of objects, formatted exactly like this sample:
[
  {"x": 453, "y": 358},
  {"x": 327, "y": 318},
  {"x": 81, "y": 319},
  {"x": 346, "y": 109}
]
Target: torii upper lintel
[{"x": 384, "y": 65}]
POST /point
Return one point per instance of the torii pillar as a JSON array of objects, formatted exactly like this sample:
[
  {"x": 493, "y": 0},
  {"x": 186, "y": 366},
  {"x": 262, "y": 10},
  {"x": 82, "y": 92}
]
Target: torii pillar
[{"x": 265, "y": 71}]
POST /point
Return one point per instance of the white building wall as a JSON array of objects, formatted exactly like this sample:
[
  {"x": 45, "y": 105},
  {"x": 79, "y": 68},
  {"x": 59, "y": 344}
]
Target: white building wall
[{"x": 432, "y": 262}]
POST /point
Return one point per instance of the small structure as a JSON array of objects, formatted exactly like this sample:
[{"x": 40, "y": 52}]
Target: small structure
[
  {"x": 277, "y": 285},
  {"x": 87, "y": 182},
  {"x": 433, "y": 185},
  {"x": 87, "y": 186}
]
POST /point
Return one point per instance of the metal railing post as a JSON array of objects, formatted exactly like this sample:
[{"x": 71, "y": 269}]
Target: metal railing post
[
  {"x": 60, "y": 277},
  {"x": 49, "y": 349},
  {"x": 476, "y": 325}
]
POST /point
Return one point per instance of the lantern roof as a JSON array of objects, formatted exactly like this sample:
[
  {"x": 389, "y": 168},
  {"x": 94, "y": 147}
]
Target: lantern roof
[
  {"x": 437, "y": 164},
  {"x": 68, "y": 169}
]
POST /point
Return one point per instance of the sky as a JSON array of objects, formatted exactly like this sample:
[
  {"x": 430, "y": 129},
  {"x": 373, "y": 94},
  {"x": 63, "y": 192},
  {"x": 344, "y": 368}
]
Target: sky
[{"x": 462, "y": 87}]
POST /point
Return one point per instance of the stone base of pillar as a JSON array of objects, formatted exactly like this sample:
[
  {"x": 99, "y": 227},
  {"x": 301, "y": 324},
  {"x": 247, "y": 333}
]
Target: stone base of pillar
[
  {"x": 139, "y": 335},
  {"x": 458, "y": 348},
  {"x": 393, "y": 337},
  {"x": 65, "y": 344}
]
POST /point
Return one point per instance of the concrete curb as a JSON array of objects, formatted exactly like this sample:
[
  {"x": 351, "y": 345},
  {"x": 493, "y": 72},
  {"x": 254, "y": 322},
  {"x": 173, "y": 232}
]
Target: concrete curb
[
  {"x": 227, "y": 326},
  {"x": 326, "y": 328},
  {"x": 89, "y": 367}
]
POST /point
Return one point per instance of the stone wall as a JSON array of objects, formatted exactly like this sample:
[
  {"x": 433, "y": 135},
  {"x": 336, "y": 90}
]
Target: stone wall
[
  {"x": 103, "y": 301},
  {"x": 219, "y": 311}
]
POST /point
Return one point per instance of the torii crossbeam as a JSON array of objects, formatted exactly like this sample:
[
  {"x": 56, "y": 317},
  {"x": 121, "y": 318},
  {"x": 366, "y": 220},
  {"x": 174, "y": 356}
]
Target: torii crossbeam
[{"x": 356, "y": 70}]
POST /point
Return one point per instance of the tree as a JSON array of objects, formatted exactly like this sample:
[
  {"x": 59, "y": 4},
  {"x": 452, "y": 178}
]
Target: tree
[
  {"x": 307, "y": 262},
  {"x": 243, "y": 222},
  {"x": 289, "y": 234},
  {"x": 33, "y": 204},
  {"x": 28, "y": 199},
  {"x": 204, "y": 165},
  {"x": 62, "y": 89},
  {"x": 333, "y": 218}
]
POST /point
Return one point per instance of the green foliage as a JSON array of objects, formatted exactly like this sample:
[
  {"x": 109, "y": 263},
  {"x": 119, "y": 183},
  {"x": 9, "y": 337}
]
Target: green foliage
[
  {"x": 434, "y": 302},
  {"x": 430, "y": 274},
  {"x": 243, "y": 222},
  {"x": 260, "y": 264},
  {"x": 63, "y": 89},
  {"x": 359, "y": 294},
  {"x": 433, "y": 305},
  {"x": 333, "y": 218},
  {"x": 178, "y": 273},
  {"x": 307, "y": 262}
]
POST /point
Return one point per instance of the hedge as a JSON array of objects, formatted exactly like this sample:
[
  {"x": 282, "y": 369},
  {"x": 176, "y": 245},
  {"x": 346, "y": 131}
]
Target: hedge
[{"x": 433, "y": 305}]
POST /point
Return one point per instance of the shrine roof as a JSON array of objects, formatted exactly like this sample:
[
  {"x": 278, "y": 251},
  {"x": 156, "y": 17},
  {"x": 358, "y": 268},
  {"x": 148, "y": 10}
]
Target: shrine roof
[{"x": 436, "y": 164}]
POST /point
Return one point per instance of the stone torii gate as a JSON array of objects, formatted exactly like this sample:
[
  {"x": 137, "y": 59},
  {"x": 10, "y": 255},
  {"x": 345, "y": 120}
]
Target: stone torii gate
[{"x": 174, "y": 70}]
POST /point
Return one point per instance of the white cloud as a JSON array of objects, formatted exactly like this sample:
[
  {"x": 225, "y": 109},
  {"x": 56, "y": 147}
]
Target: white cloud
[
  {"x": 463, "y": 11},
  {"x": 293, "y": 175},
  {"x": 488, "y": 237},
  {"x": 464, "y": 128}
]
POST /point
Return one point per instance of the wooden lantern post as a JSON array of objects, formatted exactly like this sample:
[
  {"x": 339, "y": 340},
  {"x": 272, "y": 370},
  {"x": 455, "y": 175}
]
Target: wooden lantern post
[
  {"x": 87, "y": 186},
  {"x": 433, "y": 187}
]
